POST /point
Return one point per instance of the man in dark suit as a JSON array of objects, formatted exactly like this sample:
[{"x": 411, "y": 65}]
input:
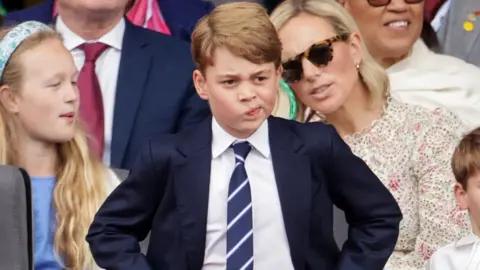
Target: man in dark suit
[
  {"x": 180, "y": 16},
  {"x": 245, "y": 190},
  {"x": 144, "y": 76}
]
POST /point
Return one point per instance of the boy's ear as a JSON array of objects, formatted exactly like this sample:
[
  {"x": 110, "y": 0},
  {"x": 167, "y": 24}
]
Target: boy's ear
[
  {"x": 200, "y": 84},
  {"x": 279, "y": 74},
  {"x": 461, "y": 196}
]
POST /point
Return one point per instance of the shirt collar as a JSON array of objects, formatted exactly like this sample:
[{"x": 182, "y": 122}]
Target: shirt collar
[
  {"x": 114, "y": 38},
  {"x": 221, "y": 140},
  {"x": 467, "y": 240}
]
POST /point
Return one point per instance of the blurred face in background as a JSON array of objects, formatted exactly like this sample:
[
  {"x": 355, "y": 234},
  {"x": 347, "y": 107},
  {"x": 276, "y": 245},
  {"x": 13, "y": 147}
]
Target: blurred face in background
[{"x": 390, "y": 27}]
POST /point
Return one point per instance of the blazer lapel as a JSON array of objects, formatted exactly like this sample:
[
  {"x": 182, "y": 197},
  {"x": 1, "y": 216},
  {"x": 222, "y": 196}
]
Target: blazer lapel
[
  {"x": 134, "y": 69},
  {"x": 192, "y": 182},
  {"x": 293, "y": 177}
]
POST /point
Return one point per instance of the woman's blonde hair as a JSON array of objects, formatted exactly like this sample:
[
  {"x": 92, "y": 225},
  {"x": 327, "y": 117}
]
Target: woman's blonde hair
[
  {"x": 372, "y": 74},
  {"x": 80, "y": 188}
]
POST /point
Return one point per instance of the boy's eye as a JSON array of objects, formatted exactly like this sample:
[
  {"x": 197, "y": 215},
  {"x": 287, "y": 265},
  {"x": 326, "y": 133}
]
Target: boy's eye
[{"x": 228, "y": 82}]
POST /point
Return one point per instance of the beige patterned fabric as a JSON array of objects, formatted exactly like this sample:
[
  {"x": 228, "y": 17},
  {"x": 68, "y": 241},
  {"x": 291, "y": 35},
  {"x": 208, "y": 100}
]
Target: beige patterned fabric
[{"x": 409, "y": 149}]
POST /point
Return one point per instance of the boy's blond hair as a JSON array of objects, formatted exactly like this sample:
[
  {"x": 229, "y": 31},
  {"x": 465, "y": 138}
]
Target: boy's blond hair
[
  {"x": 466, "y": 158},
  {"x": 242, "y": 28}
]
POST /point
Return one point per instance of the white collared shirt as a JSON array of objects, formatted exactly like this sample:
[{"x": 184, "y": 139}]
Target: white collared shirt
[
  {"x": 107, "y": 66},
  {"x": 439, "y": 18},
  {"x": 270, "y": 243},
  {"x": 463, "y": 254}
]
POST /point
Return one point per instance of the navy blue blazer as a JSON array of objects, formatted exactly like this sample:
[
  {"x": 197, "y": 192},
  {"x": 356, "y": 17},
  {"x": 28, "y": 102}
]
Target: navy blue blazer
[
  {"x": 180, "y": 16},
  {"x": 167, "y": 193},
  {"x": 155, "y": 93}
]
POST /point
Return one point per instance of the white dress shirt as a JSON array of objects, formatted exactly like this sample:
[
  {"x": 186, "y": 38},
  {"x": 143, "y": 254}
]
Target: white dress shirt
[
  {"x": 270, "y": 244},
  {"x": 107, "y": 66},
  {"x": 463, "y": 254},
  {"x": 440, "y": 16}
]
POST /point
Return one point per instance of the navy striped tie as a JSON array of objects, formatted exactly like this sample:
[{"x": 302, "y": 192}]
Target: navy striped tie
[{"x": 239, "y": 214}]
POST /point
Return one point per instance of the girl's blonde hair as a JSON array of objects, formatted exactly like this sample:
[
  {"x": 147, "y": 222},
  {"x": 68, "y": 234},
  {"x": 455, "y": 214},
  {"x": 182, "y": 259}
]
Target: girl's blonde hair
[
  {"x": 372, "y": 74},
  {"x": 80, "y": 188}
]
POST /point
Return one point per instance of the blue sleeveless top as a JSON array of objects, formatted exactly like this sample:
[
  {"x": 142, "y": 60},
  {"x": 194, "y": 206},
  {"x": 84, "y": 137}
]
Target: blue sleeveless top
[{"x": 44, "y": 223}]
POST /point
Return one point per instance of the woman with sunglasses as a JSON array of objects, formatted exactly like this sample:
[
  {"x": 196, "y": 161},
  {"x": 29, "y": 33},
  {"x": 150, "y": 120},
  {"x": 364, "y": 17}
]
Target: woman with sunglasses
[
  {"x": 337, "y": 81},
  {"x": 392, "y": 30}
]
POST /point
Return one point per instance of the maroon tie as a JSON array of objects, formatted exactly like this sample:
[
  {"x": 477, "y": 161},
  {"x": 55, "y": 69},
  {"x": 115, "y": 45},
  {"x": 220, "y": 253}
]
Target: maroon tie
[
  {"x": 91, "y": 102},
  {"x": 431, "y": 8}
]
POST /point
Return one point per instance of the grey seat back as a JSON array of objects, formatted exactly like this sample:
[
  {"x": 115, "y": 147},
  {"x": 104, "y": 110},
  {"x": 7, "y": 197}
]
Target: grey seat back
[
  {"x": 340, "y": 226},
  {"x": 16, "y": 219},
  {"x": 121, "y": 173}
]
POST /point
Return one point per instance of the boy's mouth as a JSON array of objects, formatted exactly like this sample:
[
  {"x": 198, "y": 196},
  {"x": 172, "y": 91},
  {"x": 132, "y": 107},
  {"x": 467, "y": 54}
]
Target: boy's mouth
[{"x": 253, "y": 111}]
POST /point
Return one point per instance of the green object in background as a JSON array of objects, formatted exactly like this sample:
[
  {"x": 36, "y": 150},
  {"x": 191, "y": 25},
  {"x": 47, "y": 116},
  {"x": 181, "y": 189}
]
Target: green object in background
[
  {"x": 291, "y": 98},
  {"x": 3, "y": 11}
]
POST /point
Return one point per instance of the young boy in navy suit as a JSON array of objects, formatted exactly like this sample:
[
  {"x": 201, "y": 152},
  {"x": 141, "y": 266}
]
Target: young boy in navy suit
[{"x": 245, "y": 190}]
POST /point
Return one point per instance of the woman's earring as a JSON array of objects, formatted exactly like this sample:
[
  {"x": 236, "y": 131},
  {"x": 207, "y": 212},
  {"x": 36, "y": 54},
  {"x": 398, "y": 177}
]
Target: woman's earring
[{"x": 357, "y": 66}]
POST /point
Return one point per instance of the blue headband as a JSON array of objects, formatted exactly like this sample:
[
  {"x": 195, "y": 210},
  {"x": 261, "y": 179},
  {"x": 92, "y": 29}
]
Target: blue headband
[{"x": 15, "y": 37}]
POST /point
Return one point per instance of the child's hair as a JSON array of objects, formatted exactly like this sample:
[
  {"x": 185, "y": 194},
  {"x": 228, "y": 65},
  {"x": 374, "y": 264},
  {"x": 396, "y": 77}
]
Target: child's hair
[
  {"x": 466, "y": 158},
  {"x": 242, "y": 28},
  {"x": 80, "y": 188}
]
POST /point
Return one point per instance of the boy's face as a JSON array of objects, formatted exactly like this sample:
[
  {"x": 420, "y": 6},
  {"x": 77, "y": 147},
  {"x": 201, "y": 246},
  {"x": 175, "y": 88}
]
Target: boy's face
[
  {"x": 470, "y": 199},
  {"x": 241, "y": 94}
]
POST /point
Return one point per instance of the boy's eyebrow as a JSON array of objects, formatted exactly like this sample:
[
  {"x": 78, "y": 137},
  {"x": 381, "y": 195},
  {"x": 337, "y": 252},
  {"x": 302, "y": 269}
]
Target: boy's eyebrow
[
  {"x": 228, "y": 74},
  {"x": 260, "y": 72},
  {"x": 256, "y": 73}
]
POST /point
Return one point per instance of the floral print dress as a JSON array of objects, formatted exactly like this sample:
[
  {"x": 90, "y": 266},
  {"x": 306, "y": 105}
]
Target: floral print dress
[{"x": 409, "y": 149}]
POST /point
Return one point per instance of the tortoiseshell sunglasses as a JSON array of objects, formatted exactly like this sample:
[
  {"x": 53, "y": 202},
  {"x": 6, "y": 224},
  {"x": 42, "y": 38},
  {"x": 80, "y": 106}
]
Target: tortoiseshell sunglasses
[{"x": 319, "y": 54}]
